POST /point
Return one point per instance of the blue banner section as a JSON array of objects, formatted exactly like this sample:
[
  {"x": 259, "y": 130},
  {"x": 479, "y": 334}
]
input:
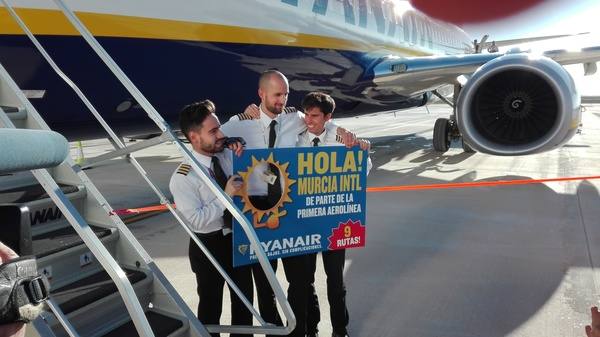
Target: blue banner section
[{"x": 301, "y": 200}]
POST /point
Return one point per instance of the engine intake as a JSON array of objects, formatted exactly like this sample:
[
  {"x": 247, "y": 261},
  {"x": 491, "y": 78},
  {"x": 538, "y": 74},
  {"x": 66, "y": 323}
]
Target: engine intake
[{"x": 518, "y": 104}]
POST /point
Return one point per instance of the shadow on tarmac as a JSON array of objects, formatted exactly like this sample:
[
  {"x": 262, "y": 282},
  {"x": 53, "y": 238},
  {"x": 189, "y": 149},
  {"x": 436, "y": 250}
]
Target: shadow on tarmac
[{"x": 466, "y": 262}]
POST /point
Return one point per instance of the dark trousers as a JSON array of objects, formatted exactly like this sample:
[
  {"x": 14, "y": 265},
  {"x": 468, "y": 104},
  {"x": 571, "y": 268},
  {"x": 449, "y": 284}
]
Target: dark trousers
[
  {"x": 296, "y": 272},
  {"x": 210, "y": 282},
  {"x": 333, "y": 263}
]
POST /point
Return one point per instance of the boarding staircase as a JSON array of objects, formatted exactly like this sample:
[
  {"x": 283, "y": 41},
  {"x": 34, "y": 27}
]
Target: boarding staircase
[{"x": 103, "y": 282}]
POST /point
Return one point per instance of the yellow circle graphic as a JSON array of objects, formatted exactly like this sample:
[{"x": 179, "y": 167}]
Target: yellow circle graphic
[{"x": 273, "y": 213}]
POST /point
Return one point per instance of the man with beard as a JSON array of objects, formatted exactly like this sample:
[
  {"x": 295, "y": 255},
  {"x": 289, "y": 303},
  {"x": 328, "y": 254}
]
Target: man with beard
[
  {"x": 207, "y": 215},
  {"x": 276, "y": 127}
]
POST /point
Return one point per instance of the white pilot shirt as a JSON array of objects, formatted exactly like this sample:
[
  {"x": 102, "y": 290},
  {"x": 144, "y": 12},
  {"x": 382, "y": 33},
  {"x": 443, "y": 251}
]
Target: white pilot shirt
[
  {"x": 194, "y": 199},
  {"x": 255, "y": 132},
  {"x": 305, "y": 139}
]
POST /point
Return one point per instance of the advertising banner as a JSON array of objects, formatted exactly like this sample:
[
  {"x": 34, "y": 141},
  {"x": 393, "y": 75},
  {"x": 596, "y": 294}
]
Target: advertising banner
[{"x": 301, "y": 200}]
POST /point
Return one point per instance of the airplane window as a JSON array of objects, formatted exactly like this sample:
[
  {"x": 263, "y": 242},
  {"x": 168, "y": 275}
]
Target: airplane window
[
  {"x": 320, "y": 7},
  {"x": 405, "y": 28},
  {"x": 349, "y": 11},
  {"x": 362, "y": 10}
]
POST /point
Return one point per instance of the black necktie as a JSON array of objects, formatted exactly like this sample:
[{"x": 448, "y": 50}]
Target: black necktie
[
  {"x": 272, "y": 133},
  {"x": 316, "y": 141},
  {"x": 273, "y": 190},
  {"x": 221, "y": 179}
]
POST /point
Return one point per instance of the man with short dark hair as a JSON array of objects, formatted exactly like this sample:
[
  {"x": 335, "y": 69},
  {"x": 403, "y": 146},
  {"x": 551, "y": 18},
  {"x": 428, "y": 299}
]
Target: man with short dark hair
[
  {"x": 318, "y": 110},
  {"x": 207, "y": 215}
]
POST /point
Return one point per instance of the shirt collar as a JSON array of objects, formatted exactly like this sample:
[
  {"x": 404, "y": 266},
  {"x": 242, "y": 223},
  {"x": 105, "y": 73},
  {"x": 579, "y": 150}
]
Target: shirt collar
[
  {"x": 321, "y": 137},
  {"x": 265, "y": 119},
  {"x": 203, "y": 159}
]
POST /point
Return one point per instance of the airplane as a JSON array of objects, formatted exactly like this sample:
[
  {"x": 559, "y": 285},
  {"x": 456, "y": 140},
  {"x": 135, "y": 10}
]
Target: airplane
[{"x": 370, "y": 55}]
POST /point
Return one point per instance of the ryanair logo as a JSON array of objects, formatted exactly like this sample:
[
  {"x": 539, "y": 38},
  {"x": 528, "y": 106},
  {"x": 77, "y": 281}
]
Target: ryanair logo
[
  {"x": 243, "y": 249},
  {"x": 184, "y": 169}
]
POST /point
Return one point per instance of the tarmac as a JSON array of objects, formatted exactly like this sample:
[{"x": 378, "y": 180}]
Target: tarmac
[{"x": 480, "y": 261}]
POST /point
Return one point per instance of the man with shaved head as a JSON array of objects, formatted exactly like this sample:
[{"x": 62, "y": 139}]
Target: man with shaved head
[
  {"x": 276, "y": 127},
  {"x": 273, "y": 92}
]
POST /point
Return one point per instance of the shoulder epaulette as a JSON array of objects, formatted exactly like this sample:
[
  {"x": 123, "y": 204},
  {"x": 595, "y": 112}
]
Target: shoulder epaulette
[
  {"x": 184, "y": 169},
  {"x": 290, "y": 110},
  {"x": 244, "y": 116}
]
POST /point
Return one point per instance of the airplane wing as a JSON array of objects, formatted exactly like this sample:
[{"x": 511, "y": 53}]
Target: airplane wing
[
  {"x": 431, "y": 72},
  {"x": 584, "y": 55},
  {"x": 492, "y": 46},
  {"x": 512, "y": 42},
  {"x": 590, "y": 99}
]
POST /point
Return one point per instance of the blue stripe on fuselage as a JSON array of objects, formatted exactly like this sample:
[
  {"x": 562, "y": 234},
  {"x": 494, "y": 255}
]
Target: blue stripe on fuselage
[{"x": 172, "y": 74}]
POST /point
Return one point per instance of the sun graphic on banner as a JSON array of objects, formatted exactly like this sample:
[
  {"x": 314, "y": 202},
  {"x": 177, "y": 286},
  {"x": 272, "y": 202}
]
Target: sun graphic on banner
[{"x": 273, "y": 213}]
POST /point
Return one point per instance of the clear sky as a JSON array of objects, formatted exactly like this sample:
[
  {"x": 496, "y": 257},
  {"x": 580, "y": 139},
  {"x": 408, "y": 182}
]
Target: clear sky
[{"x": 552, "y": 17}]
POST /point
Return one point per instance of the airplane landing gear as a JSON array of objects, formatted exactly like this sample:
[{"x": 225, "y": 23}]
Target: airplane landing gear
[
  {"x": 441, "y": 135},
  {"x": 445, "y": 130}
]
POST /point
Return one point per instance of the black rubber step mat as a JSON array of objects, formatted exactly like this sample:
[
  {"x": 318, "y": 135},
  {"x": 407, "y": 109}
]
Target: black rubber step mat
[
  {"x": 30, "y": 193},
  {"x": 90, "y": 289},
  {"x": 9, "y": 109},
  {"x": 61, "y": 239},
  {"x": 161, "y": 325}
]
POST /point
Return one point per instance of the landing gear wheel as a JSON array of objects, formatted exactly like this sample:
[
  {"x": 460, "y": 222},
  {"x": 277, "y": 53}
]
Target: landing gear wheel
[
  {"x": 466, "y": 147},
  {"x": 441, "y": 135}
]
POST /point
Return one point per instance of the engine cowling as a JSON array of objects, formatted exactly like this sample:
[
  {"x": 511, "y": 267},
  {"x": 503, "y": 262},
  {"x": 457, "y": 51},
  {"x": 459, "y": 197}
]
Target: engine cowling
[{"x": 518, "y": 104}]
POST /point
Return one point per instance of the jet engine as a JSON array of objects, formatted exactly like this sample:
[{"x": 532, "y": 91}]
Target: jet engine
[{"x": 518, "y": 104}]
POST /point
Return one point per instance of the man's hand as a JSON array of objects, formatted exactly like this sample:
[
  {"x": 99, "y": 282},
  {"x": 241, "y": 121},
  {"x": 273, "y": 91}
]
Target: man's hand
[
  {"x": 364, "y": 144},
  {"x": 594, "y": 329},
  {"x": 253, "y": 110},
  {"x": 237, "y": 148},
  {"x": 13, "y": 329},
  {"x": 348, "y": 138},
  {"x": 6, "y": 253},
  {"x": 234, "y": 184}
]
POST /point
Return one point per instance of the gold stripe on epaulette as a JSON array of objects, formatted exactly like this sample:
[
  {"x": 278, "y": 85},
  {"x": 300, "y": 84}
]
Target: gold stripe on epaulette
[
  {"x": 243, "y": 116},
  {"x": 339, "y": 139},
  {"x": 184, "y": 169},
  {"x": 289, "y": 110}
]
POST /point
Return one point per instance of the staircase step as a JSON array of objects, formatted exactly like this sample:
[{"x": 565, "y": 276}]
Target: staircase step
[
  {"x": 64, "y": 258},
  {"x": 33, "y": 192},
  {"x": 161, "y": 325},
  {"x": 94, "y": 306},
  {"x": 25, "y": 206},
  {"x": 61, "y": 239},
  {"x": 90, "y": 289},
  {"x": 14, "y": 113},
  {"x": 9, "y": 109}
]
